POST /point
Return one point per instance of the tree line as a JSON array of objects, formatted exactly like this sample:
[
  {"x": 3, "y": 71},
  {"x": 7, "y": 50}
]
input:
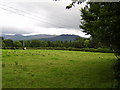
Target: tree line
[{"x": 77, "y": 43}]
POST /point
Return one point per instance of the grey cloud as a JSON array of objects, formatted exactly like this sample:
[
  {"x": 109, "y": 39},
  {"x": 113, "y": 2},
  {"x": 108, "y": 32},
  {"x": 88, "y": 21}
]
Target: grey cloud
[
  {"x": 58, "y": 15},
  {"x": 11, "y": 30}
]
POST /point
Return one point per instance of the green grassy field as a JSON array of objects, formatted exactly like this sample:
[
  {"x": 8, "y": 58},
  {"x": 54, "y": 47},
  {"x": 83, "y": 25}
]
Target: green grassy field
[{"x": 57, "y": 69}]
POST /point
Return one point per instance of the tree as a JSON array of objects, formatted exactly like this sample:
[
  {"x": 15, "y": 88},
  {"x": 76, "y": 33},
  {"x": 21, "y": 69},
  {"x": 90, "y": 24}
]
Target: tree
[
  {"x": 43, "y": 43},
  {"x": 79, "y": 42},
  {"x": 17, "y": 44},
  {"x": 57, "y": 43},
  {"x": 27, "y": 43},
  {"x": 101, "y": 21},
  {"x": 86, "y": 43},
  {"x": 66, "y": 44},
  {"x": 3, "y": 45},
  {"x": 35, "y": 43},
  {"x": 8, "y": 43}
]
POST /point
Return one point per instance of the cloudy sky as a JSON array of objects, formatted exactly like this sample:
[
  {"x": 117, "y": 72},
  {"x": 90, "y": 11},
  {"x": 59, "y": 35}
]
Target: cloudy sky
[{"x": 29, "y": 17}]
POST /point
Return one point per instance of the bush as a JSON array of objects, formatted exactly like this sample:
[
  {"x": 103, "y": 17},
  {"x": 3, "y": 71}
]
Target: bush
[{"x": 117, "y": 74}]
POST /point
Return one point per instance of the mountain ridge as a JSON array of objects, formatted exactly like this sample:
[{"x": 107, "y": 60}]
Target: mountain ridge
[
  {"x": 44, "y": 37},
  {"x": 30, "y": 37},
  {"x": 63, "y": 37}
]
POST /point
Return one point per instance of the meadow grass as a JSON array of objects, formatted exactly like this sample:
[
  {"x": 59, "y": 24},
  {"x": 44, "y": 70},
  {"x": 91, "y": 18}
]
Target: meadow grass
[{"x": 57, "y": 69}]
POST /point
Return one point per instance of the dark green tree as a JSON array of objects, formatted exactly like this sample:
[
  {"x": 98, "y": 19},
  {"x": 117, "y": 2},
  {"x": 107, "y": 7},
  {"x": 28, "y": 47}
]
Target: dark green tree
[
  {"x": 79, "y": 42},
  {"x": 57, "y": 44},
  {"x": 35, "y": 43},
  {"x": 3, "y": 45},
  {"x": 66, "y": 44},
  {"x": 8, "y": 43},
  {"x": 27, "y": 43},
  {"x": 17, "y": 44},
  {"x": 86, "y": 43},
  {"x": 102, "y": 21},
  {"x": 43, "y": 43}
]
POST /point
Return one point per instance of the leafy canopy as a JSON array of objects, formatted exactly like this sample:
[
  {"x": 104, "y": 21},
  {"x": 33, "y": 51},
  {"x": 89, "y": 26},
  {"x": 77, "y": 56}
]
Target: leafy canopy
[{"x": 102, "y": 21}]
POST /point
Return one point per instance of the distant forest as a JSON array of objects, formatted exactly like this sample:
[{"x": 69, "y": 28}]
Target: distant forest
[{"x": 79, "y": 42}]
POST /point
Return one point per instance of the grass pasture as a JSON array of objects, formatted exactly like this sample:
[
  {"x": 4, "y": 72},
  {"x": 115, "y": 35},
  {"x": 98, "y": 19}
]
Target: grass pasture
[{"x": 57, "y": 69}]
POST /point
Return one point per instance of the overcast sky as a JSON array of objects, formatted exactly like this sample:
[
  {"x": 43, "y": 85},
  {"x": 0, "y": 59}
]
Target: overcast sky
[{"x": 30, "y": 17}]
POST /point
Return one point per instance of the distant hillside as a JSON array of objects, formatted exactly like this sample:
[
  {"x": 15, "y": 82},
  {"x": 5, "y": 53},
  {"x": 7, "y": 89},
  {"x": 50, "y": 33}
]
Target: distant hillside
[
  {"x": 45, "y": 37},
  {"x": 63, "y": 37},
  {"x": 30, "y": 37}
]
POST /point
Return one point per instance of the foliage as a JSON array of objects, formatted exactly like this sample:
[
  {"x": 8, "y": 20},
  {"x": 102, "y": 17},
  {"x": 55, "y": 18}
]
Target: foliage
[
  {"x": 8, "y": 43},
  {"x": 78, "y": 43},
  {"x": 73, "y": 3},
  {"x": 17, "y": 44},
  {"x": 117, "y": 74},
  {"x": 86, "y": 43},
  {"x": 27, "y": 43},
  {"x": 102, "y": 21}
]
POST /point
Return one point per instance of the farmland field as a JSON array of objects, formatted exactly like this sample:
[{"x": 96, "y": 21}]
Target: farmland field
[{"x": 57, "y": 69}]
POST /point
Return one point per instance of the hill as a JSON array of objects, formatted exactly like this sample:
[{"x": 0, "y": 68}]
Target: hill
[
  {"x": 44, "y": 37},
  {"x": 64, "y": 37},
  {"x": 30, "y": 37}
]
